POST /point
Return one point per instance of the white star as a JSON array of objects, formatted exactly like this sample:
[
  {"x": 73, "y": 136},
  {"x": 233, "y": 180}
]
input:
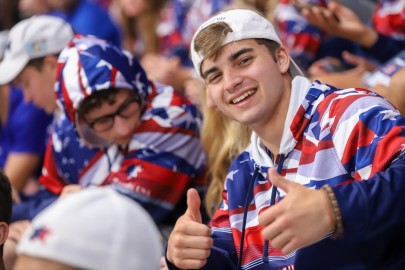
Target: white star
[
  {"x": 231, "y": 174},
  {"x": 389, "y": 114}
]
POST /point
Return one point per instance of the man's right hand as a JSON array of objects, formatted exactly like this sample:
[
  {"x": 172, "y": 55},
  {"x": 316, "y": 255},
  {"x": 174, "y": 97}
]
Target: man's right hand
[{"x": 190, "y": 242}]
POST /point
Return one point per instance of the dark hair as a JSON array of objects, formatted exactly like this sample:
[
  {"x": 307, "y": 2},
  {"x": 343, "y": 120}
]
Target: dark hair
[
  {"x": 38, "y": 63},
  {"x": 6, "y": 201},
  {"x": 96, "y": 99},
  {"x": 5, "y": 198},
  {"x": 271, "y": 46}
]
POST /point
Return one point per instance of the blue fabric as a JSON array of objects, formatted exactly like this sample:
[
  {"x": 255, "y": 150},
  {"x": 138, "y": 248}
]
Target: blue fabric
[
  {"x": 90, "y": 18},
  {"x": 25, "y": 130},
  {"x": 32, "y": 205},
  {"x": 385, "y": 48}
]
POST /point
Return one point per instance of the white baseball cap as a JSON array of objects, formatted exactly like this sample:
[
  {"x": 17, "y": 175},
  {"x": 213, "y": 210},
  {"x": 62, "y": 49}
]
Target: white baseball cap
[
  {"x": 96, "y": 228},
  {"x": 245, "y": 24},
  {"x": 31, "y": 38}
]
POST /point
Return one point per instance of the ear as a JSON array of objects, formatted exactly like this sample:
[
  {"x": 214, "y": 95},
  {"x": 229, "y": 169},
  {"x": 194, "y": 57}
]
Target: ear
[
  {"x": 283, "y": 60},
  {"x": 3, "y": 232}
]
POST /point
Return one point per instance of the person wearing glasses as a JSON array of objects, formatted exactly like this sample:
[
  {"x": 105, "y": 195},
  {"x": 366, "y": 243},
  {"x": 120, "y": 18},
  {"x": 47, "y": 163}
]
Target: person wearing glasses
[
  {"x": 139, "y": 136},
  {"x": 112, "y": 126},
  {"x": 147, "y": 134}
]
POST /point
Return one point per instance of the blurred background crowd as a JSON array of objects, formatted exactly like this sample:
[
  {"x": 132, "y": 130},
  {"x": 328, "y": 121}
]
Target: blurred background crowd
[{"x": 346, "y": 43}]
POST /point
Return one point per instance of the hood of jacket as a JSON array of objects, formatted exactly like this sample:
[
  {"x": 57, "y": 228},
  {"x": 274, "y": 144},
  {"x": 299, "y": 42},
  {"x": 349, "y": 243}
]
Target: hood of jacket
[
  {"x": 87, "y": 65},
  {"x": 304, "y": 101}
]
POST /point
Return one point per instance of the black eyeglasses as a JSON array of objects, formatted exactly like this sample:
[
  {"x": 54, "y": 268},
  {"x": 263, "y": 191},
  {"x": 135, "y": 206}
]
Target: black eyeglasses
[{"x": 127, "y": 109}]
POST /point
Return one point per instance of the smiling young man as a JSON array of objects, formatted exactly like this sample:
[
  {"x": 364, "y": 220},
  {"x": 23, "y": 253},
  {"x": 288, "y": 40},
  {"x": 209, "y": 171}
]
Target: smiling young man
[{"x": 296, "y": 197}]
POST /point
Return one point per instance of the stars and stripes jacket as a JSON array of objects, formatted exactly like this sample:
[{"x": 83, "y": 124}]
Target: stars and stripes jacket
[
  {"x": 165, "y": 155},
  {"x": 350, "y": 139},
  {"x": 164, "y": 158}
]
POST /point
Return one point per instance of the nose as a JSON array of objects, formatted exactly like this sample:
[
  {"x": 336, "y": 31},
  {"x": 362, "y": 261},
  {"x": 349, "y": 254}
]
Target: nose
[
  {"x": 121, "y": 126},
  {"x": 231, "y": 80}
]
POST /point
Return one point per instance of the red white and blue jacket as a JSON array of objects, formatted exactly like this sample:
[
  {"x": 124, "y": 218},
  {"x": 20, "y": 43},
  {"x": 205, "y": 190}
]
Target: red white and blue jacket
[
  {"x": 165, "y": 156},
  {"x": 339, "y": 137},
  {"x": 307, "y": 43}
]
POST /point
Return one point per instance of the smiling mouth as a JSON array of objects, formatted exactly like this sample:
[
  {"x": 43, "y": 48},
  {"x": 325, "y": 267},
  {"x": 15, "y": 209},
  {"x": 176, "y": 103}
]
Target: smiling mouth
[{"x": 244, "y": 96}]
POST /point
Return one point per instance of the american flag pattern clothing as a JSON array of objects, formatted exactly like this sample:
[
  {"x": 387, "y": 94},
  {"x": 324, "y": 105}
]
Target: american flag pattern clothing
[
  {"x": 300, "y": 37},
  {"x": 179, "y": 21},
  {"x": 332, "y": 136},
  {"x": 389, "y": 22},
  {"x": 165, "y": 155},
  {"x": 389, "y": 18}
]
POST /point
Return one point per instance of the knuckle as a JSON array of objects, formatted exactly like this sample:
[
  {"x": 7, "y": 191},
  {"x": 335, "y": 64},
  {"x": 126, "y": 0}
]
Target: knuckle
[
  {"x": 176, "y": 254},
  {"x": 207, "y": 242},
  {"x": 177, "y": 241},
  {"x": 207, "y": 231},
  {"x": 285, "y": 222}
]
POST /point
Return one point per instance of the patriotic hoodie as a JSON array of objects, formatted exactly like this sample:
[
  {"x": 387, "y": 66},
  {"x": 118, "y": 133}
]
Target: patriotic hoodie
[
  {"x": 338, "y": 137},
  {"x": 165, "y": 155},
  {"x": 307, "y": 43},
  {"x": 389, "y": 22}
]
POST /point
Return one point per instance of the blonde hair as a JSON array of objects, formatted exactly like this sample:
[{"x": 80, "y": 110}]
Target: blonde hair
[{"x": 223, "y": 139}]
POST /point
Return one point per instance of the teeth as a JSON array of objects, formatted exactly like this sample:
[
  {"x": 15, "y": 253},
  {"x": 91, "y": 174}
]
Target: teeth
[{"x": 242, "y": 97}]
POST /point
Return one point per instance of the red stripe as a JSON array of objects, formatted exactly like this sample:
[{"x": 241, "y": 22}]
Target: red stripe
[
  {"x": 152, "y": 126},
  {"x": 51, "y": 179},
  {"x": 153, "y": 181},
  {"x": 91, "y": 163}
]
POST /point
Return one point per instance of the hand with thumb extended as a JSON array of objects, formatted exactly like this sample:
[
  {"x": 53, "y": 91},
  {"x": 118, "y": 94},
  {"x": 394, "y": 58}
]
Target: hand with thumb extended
[
  {"x": 190, "y": 242},
  {"x": 300, "y": 219},
  {"x": 193, "y": 206}
]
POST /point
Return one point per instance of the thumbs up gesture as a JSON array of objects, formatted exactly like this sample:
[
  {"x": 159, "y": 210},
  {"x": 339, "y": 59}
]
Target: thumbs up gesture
[
  {"x": 300, "y": 219},
  {"x": 190, "y": 242}
]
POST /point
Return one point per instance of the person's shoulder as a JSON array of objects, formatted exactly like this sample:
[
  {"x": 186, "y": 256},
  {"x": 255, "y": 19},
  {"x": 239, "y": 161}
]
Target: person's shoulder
[
  {"x": 26, "y": 114},
  {"x": 356, "y": 98},
  {"x": 243, "y": 162}
]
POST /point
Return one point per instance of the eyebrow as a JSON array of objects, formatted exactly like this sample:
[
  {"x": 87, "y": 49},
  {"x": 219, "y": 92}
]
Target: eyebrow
[
  {"x": 231, "y": 58},
  {"x": 126, "y": 100}
]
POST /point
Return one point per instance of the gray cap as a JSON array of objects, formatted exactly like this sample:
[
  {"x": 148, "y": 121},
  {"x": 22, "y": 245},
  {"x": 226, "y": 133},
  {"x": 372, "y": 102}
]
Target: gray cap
[{"x": 31, "y": 38}]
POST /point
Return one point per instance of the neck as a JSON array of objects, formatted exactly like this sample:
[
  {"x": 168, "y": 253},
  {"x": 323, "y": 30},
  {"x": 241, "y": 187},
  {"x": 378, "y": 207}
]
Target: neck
[
  {"x": 270, "y": 135},
  {"x": 271, "y": 132}
]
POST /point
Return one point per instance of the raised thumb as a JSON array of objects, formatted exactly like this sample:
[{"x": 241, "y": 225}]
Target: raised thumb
[
  {"x": 193, "y": 205},
  {"x": 279, "y": 181}
]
